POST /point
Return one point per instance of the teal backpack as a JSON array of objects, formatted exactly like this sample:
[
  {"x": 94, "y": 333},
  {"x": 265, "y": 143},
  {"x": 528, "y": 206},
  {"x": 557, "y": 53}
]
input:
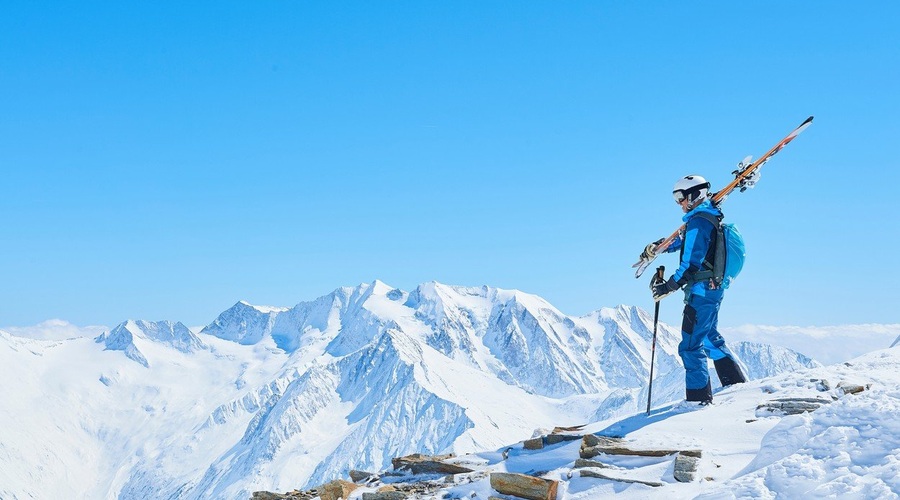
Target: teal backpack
[{"x": 729, "y": 254}]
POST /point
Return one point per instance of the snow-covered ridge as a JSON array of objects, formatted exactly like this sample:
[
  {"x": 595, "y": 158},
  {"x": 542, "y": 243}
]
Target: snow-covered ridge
[
  {"x": 265, "y": 309},
  {"x": 277, "y": 398},
  {"x": 128, "y": 336}
]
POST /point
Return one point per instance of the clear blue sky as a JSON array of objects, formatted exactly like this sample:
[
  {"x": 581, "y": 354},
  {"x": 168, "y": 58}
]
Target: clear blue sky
[{"x": 164, "y": 160}]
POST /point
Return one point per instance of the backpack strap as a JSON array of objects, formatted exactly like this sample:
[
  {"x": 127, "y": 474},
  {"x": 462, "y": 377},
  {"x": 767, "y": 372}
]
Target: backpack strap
[{"x": 709, "y": 269}]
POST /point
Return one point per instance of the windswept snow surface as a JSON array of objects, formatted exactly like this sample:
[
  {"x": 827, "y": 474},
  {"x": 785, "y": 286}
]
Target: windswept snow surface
[{"x": 268, "y": 398}]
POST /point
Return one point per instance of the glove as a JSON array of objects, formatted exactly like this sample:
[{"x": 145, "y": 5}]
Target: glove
[
  {"x": 662, "y": 289},
  {"x": 649, "y": 252}
]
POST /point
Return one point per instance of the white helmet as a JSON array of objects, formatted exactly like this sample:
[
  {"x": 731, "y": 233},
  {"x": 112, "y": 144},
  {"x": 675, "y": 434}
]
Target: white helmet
[{"x": 692, "y": 187}]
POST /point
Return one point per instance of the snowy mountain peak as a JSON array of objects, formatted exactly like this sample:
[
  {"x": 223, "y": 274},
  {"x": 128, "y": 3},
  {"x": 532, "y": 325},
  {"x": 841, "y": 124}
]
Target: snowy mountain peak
[
  {"x": 243, "y": 323},
  {"x": 262, "y": 309},
  {"x": 625, "y": 314},
  {"x": 379, "y": 287},
  {"x": 436, "y": 297},
  {"x": 127, "y": 336}
]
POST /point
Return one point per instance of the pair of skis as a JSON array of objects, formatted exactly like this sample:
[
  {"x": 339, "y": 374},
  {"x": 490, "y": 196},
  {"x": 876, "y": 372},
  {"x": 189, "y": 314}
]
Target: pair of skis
[{"x": 743, "y": 178}]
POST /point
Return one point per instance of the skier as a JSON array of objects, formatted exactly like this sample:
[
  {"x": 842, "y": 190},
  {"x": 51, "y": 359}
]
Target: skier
[{"x": 699, "y": 337}]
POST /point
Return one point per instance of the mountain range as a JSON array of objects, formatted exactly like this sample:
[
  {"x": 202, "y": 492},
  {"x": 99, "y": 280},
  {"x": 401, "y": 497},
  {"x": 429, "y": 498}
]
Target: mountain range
[{"x": 267, "y": 398}]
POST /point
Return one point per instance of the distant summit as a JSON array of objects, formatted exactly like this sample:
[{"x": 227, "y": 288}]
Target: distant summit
[{"x": 127, "y": 336}]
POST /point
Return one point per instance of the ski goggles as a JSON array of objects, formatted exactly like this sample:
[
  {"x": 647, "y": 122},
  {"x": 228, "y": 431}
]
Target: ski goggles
[{"x": 679, "y": 196}]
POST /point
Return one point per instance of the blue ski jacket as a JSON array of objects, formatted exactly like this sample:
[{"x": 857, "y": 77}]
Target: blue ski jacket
[{"x": 696, "y": 243}]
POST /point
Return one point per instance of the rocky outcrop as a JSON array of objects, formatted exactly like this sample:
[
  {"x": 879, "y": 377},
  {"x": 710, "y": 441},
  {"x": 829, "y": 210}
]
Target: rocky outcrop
[
  {"x": 534, "y": 443},
  {"x": 592, "y": 445},
  {"x": 523, "y": 486},
  {"x": 384, "y": 495},
  {"x": 358, "y": 475},
  {"x": 582, "y": 463},
  {"x": 425, "y": 464},
  {"x": 337, "y": 489},
  {"x": 850, "y": 388},
  {"x": 601, "y": 475},
  {"x": 794, "y": 406},
  {"x": 686, "y": 468},
  {"x": 267, "y": 495},
  {"x": 294, "y": 495},
  {"x": 558, "y": 435},
  {"x": 790, "y": 406}
]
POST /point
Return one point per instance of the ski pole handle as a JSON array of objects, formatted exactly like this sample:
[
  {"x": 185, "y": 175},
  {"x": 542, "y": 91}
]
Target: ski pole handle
[{"x": 658, "y": 277}]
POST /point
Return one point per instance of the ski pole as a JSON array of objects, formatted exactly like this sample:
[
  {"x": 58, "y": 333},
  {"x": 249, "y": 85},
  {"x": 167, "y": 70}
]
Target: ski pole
[{"x": 659, "y": 277}]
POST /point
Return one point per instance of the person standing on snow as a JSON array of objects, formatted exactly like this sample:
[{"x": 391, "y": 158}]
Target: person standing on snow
[{"x": 699, "y": 337}]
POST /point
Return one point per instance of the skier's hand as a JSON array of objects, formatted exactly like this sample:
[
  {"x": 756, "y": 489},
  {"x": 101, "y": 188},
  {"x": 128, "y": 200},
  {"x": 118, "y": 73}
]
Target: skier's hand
[
  {"x": 649, "y": 252},
  {"x": 663, "y": 289}
]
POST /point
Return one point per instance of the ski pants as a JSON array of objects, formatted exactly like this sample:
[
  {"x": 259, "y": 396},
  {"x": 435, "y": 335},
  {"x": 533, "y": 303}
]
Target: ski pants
[{"x": 701, "y": 340}]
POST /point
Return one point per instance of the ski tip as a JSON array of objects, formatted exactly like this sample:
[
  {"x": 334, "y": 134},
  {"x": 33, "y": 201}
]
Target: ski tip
[
  {"x": 808, "y": 120},
  {"x": 640, "y": 269}
]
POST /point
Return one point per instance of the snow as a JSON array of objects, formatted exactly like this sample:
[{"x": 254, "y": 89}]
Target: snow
[
  {"x": 268, "y": 398},
  {"x": 264, "y": 309},
  {"x": 849, "y": 448}
]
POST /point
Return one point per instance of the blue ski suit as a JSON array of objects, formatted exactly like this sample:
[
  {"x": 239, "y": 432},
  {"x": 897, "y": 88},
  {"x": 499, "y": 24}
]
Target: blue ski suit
[{"x": 699, "y": 337}]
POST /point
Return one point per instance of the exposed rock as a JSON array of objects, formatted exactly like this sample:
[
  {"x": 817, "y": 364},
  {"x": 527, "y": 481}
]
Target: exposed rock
[
  {"x": 293, "y": 495},
  {"x": 413, "y": 489},
  {"x": 556, "y": 436},
  {"x": 522, "y": 486},
  {"x": 848, "y": 388},
  {"x": 359, "y": 475},
  {"x": 425, "y": 464},
  {"x": 559, "y": 438},
  {"x": 592, "y": 445},
  {"x": 822, "y": 385},
  {"x": 685, "y": 468},
  {"x": 267, "y": 495},
  {"x": 790, "y": 406},
  {"x": 562, "y": 430},
  {"x": 595, "y": 440},
  {"x": 600, "y": 475},
  {"x": 582, "y": 463},
  {"x": 533, "y": 444},
  {"x": 384, "y": 495},
  {"x": 337, "y": 489}
]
